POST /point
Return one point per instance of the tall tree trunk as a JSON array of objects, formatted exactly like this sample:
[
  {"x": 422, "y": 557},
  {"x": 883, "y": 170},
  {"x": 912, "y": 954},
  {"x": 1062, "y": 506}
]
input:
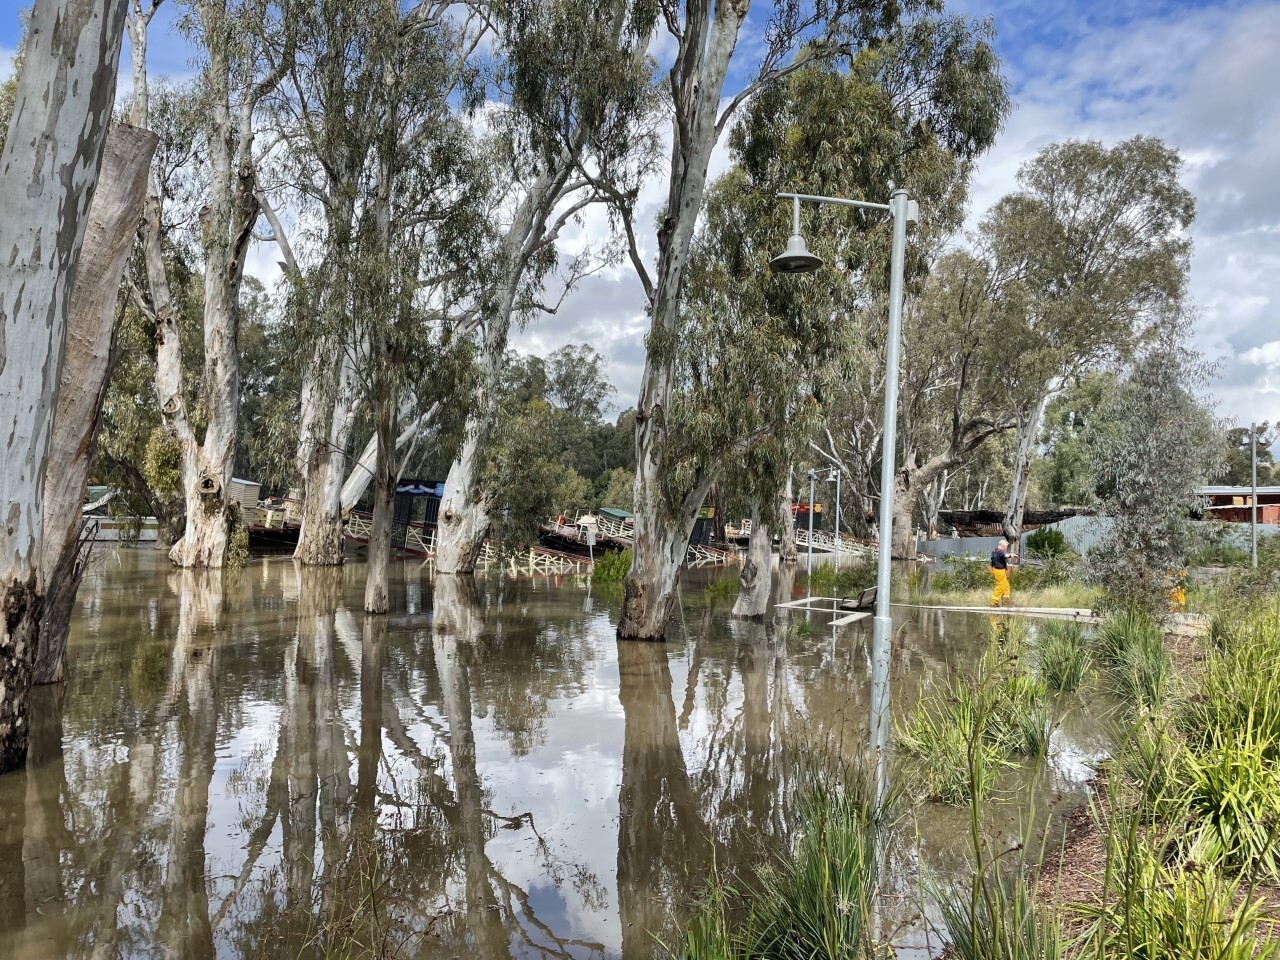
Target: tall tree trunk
[
  {"x": 1028, "y": 430},
  {"x": 376, "y": 591},
  {"x": 464, "y": 519},
  {"x": 787, "y": 551},
  {"x": 464, "y": 515},
  {"x": 904, "y": 505},
  {"x": 320, "y": 539},
  {"x": 86, "y": 367},
  {"x": 48, "y": 172},
  {"x": 660, "y": 547},
  {"x": 697, "y": 84},
  {"x": 756, "y": 577}
]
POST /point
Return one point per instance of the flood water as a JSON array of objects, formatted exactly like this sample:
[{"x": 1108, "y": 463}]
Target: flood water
[{"x": 242, "y": 765}]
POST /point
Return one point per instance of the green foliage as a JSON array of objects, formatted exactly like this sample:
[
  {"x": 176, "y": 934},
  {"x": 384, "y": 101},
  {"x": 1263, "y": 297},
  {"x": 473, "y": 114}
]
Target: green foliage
[
  {"x": 816, "y": 902},
  {"x": 722, "y": 588},
  {"x": 1073, "y": 427},
  {"x": 237, "y": 554},
  {"x": 1061, "y": 656},
  {"x": 1131, "y": 645},
  {"x": 826, "y": 580},
  {"x": 1162, "y": 451},
  {"x": 965, "y": 730},
  {"x": 1152, "y": 906},
  {"x": 958, "y": 574},
  {"x": 618, "y": 490},
  {"x": 611, "y": 566},
  {"x": 1048, "y": 542},
  {"x": 162, "y": 462},
  {"x": 997, "y": 918}
]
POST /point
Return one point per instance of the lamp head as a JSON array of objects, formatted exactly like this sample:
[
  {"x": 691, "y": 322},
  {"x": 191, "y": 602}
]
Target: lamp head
[{"x": 796, "y": 258}]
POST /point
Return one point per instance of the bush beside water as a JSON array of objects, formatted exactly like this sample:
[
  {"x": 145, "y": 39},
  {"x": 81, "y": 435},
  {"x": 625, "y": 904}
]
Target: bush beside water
[{"x": 611, "y": 566}]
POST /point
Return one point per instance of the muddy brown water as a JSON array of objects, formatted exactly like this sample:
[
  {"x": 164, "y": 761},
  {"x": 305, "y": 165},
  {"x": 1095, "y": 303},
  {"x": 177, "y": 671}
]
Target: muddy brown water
[{"x": 237, "y": 754}]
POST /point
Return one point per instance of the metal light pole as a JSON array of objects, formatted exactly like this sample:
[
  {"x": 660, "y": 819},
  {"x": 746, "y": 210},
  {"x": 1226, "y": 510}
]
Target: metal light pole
[
  {"x": 1253, "y": 500},
  {"x": 811, "y": 476},
  {"x": 797, "y": 259},
  {"x": 835, "y": 475}
]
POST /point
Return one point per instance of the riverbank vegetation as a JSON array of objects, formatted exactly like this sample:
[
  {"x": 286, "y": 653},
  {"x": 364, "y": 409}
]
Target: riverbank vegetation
[{"x": 1176, "y": 856}]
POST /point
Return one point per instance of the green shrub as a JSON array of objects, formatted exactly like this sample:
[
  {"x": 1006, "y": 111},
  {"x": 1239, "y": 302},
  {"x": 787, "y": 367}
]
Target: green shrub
[
  {"x": 1233, "y": 795},
  {"x": 722, "y": 588},
  {"x": 611, "y": 566},
  {"x": 1154, "y": 907},
  {"x": 997, "y": 918},
  {"x": 1125, "y": 629},
  {"x": 965, "y": 731},
  {"x": 815, "y": 902},
  {"x": 1061, "y": 656},
  {"x": 1048, "y": 542}
]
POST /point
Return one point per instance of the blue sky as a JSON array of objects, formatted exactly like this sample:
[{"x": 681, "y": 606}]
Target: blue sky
[{"x": 1203, "y": 76}]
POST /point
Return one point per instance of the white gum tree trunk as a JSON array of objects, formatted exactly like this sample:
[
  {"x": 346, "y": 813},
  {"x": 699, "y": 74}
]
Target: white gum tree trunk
[
  {"x": 48, "y": 171},
  {"x": 756, "y": 579},
  {"x": 377, "y": 593},
  {"x": 787, "y": 552},
  {"x": 464, "y": 518},
  {"x": 227, "y": 222},
  {"x": 662, "y": 529},
  {"x": 323, "y": 462},
  {"x": 1028, "y": 430},
  {"x": 86, "y": 368},
  {"x": 364, "y": 466}
]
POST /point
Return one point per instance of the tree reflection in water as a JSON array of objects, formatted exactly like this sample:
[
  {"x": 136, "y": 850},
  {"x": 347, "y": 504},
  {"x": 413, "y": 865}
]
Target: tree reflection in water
[{"x": 242, "y": 765}]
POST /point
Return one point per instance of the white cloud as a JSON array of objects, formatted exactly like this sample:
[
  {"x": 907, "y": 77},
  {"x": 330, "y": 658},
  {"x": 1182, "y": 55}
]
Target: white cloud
[{"x": 1208, "y": 82}]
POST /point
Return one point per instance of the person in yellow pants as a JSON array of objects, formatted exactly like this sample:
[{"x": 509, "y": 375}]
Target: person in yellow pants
[{"x": 1001, "y": 595}]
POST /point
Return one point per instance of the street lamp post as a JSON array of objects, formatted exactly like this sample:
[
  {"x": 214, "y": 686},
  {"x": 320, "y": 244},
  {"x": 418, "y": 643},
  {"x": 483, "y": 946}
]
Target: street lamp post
[
  {"x": 1253, "y": 496},
  {"x": 797, "y": 259},
  {"x": 835, "y": 475},
  {"x": 810, "y": 562}
]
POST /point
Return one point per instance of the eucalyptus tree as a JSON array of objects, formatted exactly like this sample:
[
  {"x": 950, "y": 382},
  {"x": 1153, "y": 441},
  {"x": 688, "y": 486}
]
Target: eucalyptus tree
[
  {"x": 1096, "y": 237},
  {"x": 88, "y": 354},
  {"x": 246, "y": 47},
  {"x": 48, "y": 173},
  {"x": 327, "y": 117},
  {"x": 952, "y": 396},
  {"x": 1162, "y": 445},
  {"x": 754, "y": 355},
  {"x": 421, "y": 210},
  {"x": 876, "y": 95},
  {"x": 574, "y": 75}
]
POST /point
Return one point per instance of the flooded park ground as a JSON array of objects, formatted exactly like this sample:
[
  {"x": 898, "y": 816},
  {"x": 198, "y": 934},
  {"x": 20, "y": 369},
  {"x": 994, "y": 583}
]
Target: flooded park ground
[{"x": 242, "y": 765}]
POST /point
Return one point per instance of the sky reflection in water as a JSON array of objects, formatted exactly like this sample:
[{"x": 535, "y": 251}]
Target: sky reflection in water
[{"x": 236, "y": 753}]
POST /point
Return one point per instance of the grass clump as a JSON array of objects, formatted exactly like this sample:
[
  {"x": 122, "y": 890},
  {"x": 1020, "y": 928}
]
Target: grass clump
[
  {"x": 611, "y": 566},
  {"x": 1062, "y": 657},
  {"x": 826, "y": 580},
  {"x": 723, "y": 588},
  {"x": 1131, "y": 644},
  {"x": 995, "y": 915},
  {"x": 974, "y": 725},
  {"x": 1154, "y": 904},
  {"x": 814, "y": 902}
]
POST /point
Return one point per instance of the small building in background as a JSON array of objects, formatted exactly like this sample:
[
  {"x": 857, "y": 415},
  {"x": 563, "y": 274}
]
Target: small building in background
[{"x": 1234, "y": 504}]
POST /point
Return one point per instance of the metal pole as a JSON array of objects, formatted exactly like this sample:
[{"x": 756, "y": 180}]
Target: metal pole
[
  {"x": 1253, "y": 499},
  {"x": 837, "y": 519},
  {"x": 882, "y": 633},
  {"x": 811, "y": 475}
]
